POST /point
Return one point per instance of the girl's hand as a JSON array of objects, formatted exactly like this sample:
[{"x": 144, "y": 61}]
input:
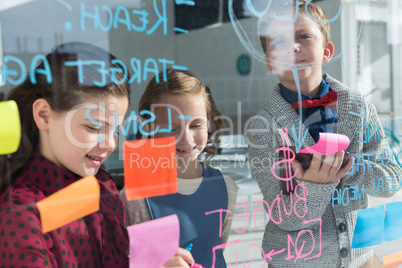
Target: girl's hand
[
  {"x": 182, "y": 259},
  {"x": 326, "y": 172}
]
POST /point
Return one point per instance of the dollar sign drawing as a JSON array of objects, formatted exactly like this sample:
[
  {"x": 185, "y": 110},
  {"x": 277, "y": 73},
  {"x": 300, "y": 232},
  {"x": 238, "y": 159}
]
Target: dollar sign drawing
[{"x": 285, "y": 165}]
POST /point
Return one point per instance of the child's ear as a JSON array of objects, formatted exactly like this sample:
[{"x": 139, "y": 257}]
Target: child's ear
[
  {"x": 329, "y": 50},
  {"x": 268, "y": 63},
  {"x": 41, "y": 112}
]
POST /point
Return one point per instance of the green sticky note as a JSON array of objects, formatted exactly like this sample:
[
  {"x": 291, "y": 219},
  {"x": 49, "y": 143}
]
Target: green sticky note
[{"x": 10, "y": 129}]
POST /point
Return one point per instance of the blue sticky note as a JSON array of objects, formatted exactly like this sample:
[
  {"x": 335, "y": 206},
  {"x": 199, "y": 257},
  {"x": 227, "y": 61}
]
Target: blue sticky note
[
  {"x": 393, "y": 222},
  {"x": 369, "y": 227}
]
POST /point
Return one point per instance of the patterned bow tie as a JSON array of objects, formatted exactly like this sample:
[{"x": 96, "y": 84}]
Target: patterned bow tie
[{"x": 329, "y": 99}]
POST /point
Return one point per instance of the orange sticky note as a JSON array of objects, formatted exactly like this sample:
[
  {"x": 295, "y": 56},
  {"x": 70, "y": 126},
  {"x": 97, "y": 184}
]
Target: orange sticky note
[
  {"x": 150, "y": 167},
  {"x": 392, "y": 261},
  {"x": 70, "y": 203}
]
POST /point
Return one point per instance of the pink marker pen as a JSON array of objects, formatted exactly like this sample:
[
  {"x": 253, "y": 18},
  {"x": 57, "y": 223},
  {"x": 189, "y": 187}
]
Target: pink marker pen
[{"x": 196, "y": 265}]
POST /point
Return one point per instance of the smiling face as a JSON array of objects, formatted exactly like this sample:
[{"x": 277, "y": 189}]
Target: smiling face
[
  {"x": 80, "y": 140},
  {"x": 189, "y": 126},
  {"x": 298, "y": 45}
]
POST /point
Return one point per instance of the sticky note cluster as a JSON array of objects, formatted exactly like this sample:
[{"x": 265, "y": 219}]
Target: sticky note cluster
[{"x": 374, "y": 226}]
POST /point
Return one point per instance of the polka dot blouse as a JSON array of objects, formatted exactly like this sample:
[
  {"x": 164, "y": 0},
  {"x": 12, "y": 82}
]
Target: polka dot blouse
[{"x": 97, "y": 240}]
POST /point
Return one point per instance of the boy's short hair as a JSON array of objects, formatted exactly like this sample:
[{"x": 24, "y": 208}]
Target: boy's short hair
[{"x": 281, "y": 7}]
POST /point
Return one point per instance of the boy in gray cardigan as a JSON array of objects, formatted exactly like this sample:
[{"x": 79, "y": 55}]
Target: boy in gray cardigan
[{"x": 311, "y": 225}]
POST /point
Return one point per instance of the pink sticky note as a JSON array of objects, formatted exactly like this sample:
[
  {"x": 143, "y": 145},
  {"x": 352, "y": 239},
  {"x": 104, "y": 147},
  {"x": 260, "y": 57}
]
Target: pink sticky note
[
  {"x": 328, "y": 143},
  {"x": 153, "y": 243}
]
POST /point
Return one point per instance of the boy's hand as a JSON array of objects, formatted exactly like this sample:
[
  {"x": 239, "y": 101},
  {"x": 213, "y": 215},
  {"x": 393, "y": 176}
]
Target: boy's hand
[
  {"x": 326, "y": 172},
  {"x": 182, "y": 259}
]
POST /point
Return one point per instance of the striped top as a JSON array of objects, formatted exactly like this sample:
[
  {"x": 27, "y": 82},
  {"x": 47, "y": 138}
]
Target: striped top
[{"x": 137, "y": 210}]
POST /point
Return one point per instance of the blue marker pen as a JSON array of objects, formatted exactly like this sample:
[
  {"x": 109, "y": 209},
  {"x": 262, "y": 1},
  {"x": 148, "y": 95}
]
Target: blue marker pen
[{"x": 189, "y": 247}]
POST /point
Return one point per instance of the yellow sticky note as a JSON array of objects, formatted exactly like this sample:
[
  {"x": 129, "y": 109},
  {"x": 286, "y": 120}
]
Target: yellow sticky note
[
  {"x": 393, "y": 260},
  {"x": 70, "y": 203},
  {"x": 10, "y": 129}
]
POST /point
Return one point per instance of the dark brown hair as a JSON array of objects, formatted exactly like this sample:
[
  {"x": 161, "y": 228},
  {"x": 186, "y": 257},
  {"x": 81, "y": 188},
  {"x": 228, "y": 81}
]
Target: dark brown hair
[
  {"x": 313, "y": 9},
  {"x": 63, "y": 93},
  {"x": 177, "y": 82}
]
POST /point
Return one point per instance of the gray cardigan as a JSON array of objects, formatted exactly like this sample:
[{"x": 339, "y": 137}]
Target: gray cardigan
[{"x": 263, "y": 136}]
